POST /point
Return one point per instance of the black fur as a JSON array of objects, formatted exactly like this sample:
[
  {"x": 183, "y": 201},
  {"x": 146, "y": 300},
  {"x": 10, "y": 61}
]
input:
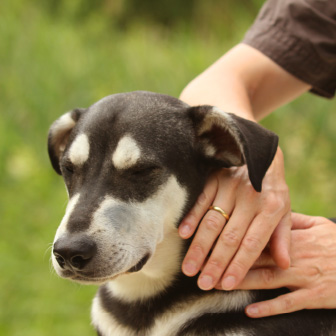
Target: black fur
[{"x": 141, "y": 315}]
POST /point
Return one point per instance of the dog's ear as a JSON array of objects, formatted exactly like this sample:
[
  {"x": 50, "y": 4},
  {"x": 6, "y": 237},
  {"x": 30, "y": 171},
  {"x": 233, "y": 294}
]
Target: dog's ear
[
  {"x": 234, "y": 141},
  {"x": 59, "y": 133}
]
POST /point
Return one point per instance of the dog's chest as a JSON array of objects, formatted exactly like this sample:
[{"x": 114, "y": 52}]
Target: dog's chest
[{"x": 165, "y": 315}]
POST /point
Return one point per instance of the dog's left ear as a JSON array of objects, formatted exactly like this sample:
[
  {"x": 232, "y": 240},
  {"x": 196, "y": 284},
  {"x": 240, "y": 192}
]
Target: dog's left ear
[
  {"x": 58, "y": 136},
  {"x": 234, "y": 141}
]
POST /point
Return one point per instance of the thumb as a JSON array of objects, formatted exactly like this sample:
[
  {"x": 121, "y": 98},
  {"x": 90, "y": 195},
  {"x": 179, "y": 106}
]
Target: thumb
[
  {"x": 300, "y": 221},
  {"x": 280, "y": 242}
]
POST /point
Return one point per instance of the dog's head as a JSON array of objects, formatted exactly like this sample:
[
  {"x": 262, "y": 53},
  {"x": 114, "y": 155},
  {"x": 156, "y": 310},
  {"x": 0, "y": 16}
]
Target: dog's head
[{"x": 133, "y": 165}]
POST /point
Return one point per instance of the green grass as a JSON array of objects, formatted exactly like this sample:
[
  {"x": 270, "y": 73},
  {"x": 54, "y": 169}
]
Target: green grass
[{"x": 55, "y": 59}]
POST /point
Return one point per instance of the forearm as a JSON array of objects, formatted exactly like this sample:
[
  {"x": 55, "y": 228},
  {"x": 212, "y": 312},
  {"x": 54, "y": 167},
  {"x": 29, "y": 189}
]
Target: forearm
[{"x": 244, "y": 82}]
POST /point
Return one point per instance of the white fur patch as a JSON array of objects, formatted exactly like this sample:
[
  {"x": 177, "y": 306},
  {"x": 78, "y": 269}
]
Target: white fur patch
[
  {"x": 105, "y": 321},
  {"x": 214, "y": 116},
  {"x": 70, "y": 207},
  {"x": 156, "y": 275},
  {"x": 126, "y": 154},
  {"x": 238, "y": 333},
  {"x": 170, "y": 322},
  {"x": 222, "y": 119},
  {"x": 79, "y": 150},
  {"x": 61, "y": 127},
  {"x": 64, "y": 122},
  {"x": 174, "y": 319},
  {"x": 209, "y": 149},
  {"x": 62, "y": 227},
  {"x": 162, "y": 212}
]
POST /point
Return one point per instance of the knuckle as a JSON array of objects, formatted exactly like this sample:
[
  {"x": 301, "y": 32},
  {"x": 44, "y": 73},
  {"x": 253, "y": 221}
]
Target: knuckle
[
  {"x": 230, "y": 238},
  {"x": 288, "y": 303},
  {"x": 319, "y": 291},
  {"x": 197, "y": 249},
  {"x": 313, "y": 272},
  {"x": 322, "y": 292},
  {"x": 274, "y": 203},
  {"x": 268, "y": 276},
  {"x": 320, "y": 219},
  {"x": 252, "y": 243},
  {"x": 202, "y": 199},
  {"x": 216, "y": 266},
  {"x": 240, "y": 266},
  {"x": 212, "y": 222}
]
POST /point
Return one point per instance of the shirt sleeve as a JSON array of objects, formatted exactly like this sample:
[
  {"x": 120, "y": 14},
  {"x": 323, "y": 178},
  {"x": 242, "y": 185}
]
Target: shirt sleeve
[{"x": 300, "y": 36}]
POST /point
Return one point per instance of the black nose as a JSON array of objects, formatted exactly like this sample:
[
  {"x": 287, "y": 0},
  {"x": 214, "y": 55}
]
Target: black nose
[{"x": 76, "y": 251}]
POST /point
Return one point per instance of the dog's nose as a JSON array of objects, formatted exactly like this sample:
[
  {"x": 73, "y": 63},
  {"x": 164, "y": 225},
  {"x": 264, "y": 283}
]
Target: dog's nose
[{"x": 76, "y": 251}]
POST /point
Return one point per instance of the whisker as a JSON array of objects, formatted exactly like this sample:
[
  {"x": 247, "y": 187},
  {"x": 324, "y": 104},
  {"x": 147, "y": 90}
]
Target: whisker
[{"x": 48, "y": 250}]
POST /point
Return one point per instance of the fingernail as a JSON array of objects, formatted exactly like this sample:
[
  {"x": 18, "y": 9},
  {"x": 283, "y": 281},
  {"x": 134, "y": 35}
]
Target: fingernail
[
  {"x": 229, "y": 282},
  {"x": 189, "y": 268},
  {"x": 206, "y": 282},
  {"x": 252, "y": 310},
  {"x": 185, "y": 230}
]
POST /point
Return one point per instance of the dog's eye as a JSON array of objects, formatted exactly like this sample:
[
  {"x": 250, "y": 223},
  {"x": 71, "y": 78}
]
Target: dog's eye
[
  {"x": 68, "y": 168},
  {"x": 144, "y": 170}
]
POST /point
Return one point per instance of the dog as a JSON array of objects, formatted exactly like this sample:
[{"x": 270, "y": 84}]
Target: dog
[{"x": 134, "y": 165}]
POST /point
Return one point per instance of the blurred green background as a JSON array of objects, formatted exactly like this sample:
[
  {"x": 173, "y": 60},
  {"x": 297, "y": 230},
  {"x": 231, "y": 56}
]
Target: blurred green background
[{"x": 56, "y": 55}]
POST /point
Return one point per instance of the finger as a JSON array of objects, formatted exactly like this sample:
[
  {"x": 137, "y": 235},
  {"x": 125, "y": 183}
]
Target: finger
[
  {"x": 209, "y": 229},
  {"x": 264, "y": 276},
  {"x": 193, "y": 218},
  {"x": 280, "y": 242},
  {"x": 267, "y": 278},
  {"x": 300, "y": 221},
  {"x": 250, "y": 249},
  {"x": 283, "y": 304},
  {"x": 264, "y": 260},
  {"x": 226, "y": 247},
  {"x": 207, "y": 233}
]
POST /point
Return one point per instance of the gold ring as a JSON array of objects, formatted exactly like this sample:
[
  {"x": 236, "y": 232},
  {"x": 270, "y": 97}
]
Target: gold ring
[{"x": 221, "y": 211}]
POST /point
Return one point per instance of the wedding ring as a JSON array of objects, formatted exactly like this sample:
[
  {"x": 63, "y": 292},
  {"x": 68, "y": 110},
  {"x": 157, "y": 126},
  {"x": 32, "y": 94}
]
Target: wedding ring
[{"x": 221, "y": 211}]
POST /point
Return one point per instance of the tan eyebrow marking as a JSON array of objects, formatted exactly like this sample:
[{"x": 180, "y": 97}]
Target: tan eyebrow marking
[
  {"x": 126, "y": 154},
  {"x": 79, "y": 150}
]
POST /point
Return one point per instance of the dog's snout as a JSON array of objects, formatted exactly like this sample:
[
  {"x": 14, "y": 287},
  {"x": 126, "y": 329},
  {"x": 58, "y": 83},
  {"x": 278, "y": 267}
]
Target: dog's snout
[{"x": 75, "y": 251}]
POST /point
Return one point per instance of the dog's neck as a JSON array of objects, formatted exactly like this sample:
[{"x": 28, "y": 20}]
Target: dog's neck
[{"x": 157, "y": 275}]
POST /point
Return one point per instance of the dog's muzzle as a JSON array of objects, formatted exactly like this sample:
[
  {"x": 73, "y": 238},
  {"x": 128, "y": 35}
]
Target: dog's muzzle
[
  {"x": 78, "y": 258},
  {"x": 140, "y": 264}
]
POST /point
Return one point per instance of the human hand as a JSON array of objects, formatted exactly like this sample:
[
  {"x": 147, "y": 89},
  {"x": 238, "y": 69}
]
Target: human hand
[
  {"x": 311, "y": 276},
  {"x": 255, "y": 219}
]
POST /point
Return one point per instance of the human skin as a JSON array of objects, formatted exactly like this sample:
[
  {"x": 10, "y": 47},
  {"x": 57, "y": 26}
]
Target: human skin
[
  {"x": 311, "y": 276},
  {"x": 249, "y": 84}
]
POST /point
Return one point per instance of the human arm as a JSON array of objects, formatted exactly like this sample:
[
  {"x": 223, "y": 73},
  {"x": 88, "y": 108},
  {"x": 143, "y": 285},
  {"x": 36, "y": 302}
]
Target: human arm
[
  {"x": 249, "y": 84},
  {"x": 246, "y": 82},
  {"x": 311, "y": 276}
]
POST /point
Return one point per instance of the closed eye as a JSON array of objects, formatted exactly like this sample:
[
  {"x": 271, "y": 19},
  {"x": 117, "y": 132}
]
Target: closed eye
[
  {"x": 144, "y": 170},
  {"x": 68, "y": 167}
]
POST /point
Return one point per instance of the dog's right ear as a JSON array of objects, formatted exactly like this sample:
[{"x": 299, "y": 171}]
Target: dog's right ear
[
  {"x": 58, "y": 136},
  {"x": 233, "y": 141}
]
